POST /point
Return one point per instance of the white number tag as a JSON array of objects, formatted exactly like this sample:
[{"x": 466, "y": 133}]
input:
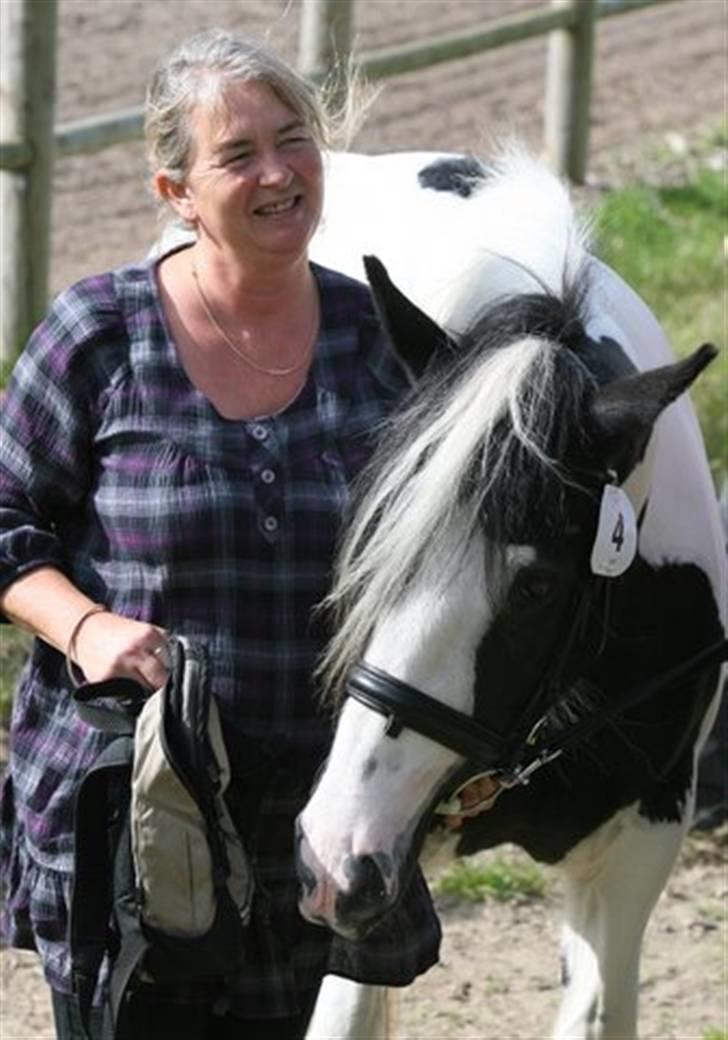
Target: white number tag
[{"x": 616, "y": 542}]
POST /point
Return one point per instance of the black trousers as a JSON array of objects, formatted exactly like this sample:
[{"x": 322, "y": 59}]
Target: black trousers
[{"x": 151, "y": 1017}]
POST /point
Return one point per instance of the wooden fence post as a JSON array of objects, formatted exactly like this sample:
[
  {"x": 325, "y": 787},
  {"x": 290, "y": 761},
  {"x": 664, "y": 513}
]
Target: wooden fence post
[
  {"x": 27, "y": 95},
  {"x": 324, "y": 41},
  {"x": 568, "y": 90}
]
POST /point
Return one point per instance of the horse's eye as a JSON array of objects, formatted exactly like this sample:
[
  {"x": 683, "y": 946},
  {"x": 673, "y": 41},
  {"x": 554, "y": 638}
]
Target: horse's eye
[{"x": 534, "y": 589}]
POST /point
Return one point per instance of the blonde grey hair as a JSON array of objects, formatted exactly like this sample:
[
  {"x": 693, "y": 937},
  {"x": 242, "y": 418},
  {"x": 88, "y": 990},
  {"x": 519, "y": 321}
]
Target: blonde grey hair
[{"x": 199, "y": 71}]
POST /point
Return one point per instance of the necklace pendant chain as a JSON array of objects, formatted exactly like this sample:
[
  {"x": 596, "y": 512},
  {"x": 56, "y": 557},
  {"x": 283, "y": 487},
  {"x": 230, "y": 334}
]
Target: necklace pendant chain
[{"x": 239, "y": 353}]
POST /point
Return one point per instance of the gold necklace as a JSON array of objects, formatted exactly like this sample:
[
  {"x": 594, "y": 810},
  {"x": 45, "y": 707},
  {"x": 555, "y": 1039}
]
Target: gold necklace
[{"x": 256, "y": 366}]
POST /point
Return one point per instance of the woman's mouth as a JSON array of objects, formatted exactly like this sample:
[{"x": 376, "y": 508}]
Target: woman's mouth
[{"x": 275, "y": 209}]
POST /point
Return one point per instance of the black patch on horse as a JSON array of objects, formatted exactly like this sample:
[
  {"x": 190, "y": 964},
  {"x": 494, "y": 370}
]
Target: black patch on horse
[
  {"x": 459, "y": 176},
  {"x": 606, "y": 359},
  {"x": 658, "y": 618},
  {"x": 557, "y": 318}
]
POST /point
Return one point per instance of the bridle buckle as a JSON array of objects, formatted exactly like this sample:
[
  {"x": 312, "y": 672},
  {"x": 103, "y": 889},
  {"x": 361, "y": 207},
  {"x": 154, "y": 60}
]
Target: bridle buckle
[{"x": 521, "y": 774}]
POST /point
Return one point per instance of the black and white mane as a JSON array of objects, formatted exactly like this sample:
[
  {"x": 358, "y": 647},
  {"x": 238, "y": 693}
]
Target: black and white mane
[{"x": 492, "y": 436}]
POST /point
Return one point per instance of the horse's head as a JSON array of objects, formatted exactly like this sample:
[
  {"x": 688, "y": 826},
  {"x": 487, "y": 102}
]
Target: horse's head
[{"x": 468, "y": 571}]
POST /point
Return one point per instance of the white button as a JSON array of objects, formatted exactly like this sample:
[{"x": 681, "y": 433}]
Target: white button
[
  {"x": 270, "y": 524},
  {"x": 267, "y": 476},
  {"x": 259, "y": 432}
]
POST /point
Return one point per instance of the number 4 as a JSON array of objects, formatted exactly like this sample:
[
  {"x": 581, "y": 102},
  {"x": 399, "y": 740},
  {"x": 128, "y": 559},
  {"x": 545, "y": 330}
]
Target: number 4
[{"x": 618, "y": 533}]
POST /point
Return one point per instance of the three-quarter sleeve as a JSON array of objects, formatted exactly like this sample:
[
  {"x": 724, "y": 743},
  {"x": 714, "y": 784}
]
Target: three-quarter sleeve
[{"x": 46, "y": 428}]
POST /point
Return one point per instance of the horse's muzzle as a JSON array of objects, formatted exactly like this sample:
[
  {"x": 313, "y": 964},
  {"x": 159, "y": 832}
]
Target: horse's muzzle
[
  {"x": 371, "y": 891},
  {"x": 350, "y": 908}
]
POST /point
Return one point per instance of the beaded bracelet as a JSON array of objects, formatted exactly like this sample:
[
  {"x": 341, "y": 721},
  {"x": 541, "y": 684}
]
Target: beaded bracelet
[{"x": 74, "y": 672}]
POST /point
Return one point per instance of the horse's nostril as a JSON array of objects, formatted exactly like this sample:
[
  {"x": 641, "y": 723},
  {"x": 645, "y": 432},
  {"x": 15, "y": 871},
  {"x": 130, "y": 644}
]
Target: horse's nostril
[
  {"x": 364, "y": 874},
  {"x": 367, "y": 895}
]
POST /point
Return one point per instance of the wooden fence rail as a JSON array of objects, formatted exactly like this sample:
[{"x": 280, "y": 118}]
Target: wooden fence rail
[{"x": 31, "y": 142}]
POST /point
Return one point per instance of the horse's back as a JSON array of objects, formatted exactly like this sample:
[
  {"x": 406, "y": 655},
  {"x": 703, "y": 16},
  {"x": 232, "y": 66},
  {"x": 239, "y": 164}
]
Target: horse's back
[{"x": 440, "y": 221}]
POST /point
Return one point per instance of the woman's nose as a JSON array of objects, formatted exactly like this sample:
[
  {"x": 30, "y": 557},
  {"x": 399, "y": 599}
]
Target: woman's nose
[{"x": 274, "y": 172}]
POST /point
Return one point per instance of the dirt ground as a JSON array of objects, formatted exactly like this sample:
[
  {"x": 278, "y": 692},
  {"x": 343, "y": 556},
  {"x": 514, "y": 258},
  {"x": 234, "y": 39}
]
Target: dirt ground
[
  {"x": 660, "y": 85},
  {"x": 498, "y": 977},
  {"x": 499, "y": 973}
]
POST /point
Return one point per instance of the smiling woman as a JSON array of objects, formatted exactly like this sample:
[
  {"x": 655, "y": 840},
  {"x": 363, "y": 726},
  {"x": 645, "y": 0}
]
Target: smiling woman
[
  {"x": 215, "y": 403},
  {"x": 251, "y": 188}
]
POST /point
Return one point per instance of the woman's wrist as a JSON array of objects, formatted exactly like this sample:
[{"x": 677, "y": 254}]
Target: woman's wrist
[{"x": 72, "y": 669}]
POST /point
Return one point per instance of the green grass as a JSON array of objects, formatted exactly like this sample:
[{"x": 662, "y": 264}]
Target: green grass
[
  {"x": 670, "y": 244},
  {"x": 501, "y": 878},
  {"x": 14, "y": 646},
  {"x": 715, "y": 1034}
]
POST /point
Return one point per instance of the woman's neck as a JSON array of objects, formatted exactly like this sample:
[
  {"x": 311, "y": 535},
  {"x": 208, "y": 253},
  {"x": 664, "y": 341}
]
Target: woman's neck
[
  {"x": 245, "y": 343},
  {"x": 256, "y": 290}
]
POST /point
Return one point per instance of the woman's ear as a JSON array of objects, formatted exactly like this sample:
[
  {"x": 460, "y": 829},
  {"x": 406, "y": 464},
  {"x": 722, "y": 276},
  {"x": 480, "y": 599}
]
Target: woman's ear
[{"x": 175, "y": 193}]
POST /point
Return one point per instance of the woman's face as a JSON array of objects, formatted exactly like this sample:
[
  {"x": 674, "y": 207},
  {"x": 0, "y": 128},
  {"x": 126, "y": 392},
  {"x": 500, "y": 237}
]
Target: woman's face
[{"x": 255, "y": 183}]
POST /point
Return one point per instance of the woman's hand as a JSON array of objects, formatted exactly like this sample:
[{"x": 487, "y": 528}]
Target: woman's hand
[
  {"x": 475, "y": 798},
  {"x": 101, "y": 644},
  {"x": 108, "y": 646}
]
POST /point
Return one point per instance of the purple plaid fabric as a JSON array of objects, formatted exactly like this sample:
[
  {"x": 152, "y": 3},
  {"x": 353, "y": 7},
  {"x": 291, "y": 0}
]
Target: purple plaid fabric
[{"x": 115, "y": 469}]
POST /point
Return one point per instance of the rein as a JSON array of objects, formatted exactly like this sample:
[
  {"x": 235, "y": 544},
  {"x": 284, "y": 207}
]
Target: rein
[{"x": 511, "y": 762}]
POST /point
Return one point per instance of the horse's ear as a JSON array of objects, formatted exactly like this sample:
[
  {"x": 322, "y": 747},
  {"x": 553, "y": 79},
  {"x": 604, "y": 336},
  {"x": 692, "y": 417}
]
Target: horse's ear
[
  {"x": 623, "y": 413},
  {"x": 415, "y": 337}
]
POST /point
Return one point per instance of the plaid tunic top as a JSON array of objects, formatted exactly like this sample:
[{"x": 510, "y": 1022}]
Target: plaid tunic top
[{"x": 117, "y": 470}]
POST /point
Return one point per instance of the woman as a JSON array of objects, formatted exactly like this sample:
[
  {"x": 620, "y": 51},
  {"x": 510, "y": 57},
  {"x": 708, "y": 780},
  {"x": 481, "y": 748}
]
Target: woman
[{"x": 176, "y": 445}]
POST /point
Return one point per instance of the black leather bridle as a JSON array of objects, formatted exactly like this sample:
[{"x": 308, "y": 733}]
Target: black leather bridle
[{"x": 511, "y": 761}]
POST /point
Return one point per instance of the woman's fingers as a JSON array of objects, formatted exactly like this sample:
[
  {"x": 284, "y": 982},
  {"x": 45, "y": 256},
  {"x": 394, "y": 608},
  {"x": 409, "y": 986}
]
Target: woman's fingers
[
  {"x": 156, "y": 666},
  {"x": 111, "y": 646},
  {"x": 475, "y": 797}
]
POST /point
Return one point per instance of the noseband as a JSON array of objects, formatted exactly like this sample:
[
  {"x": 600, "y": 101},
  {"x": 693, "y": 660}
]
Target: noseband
[
  {"x": 406, "y": 706},
  {"x": 513, "y": 758},
  {"x": 511, "y": 761}
]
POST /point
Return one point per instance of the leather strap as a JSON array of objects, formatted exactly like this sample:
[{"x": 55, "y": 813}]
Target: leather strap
[{"x": 407, "y": 706}]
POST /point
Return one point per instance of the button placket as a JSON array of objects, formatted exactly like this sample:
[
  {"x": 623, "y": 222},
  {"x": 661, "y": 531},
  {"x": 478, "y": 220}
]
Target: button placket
[{"x": 268, "y": 493}]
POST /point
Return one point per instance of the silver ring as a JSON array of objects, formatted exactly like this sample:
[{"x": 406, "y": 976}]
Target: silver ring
[{"x": 162, "y": 655}]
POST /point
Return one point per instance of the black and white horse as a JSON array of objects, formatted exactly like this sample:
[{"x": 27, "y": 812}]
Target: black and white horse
[{"x": 532, "y": 584}]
